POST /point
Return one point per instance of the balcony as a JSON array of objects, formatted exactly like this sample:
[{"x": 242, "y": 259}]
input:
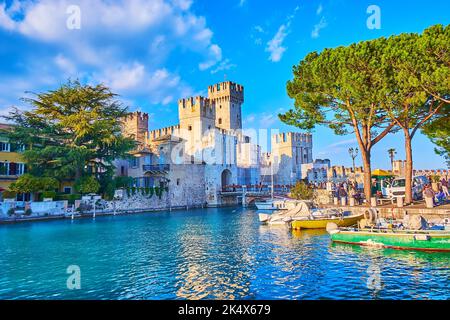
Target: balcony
[{"x": 156, "y": 168}]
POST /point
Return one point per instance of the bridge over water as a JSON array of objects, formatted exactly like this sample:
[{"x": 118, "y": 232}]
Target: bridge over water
[{"x": 248, "y": 194}]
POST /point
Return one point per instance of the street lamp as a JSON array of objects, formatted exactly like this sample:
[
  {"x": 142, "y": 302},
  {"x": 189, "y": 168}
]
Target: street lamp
[{"x": 353, "y": 153}]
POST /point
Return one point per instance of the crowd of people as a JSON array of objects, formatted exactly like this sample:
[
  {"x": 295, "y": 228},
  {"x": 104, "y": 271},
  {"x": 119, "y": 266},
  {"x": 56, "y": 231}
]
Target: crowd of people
[
  {"x": 441, "y": 195},
  {"x": 349, "y": 189}
]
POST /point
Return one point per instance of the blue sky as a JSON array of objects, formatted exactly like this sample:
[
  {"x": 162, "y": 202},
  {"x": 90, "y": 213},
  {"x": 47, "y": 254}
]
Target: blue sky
[{"x": 153, "y": 52}]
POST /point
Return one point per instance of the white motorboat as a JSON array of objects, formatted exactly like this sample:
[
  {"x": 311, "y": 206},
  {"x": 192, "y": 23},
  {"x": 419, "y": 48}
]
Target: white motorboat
[
  {"x": 298, "y": 210},
  {"x": 274, "y": 204}
]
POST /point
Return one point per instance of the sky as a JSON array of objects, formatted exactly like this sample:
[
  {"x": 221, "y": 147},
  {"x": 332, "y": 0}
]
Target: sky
[{"x": 154, "y": 52}]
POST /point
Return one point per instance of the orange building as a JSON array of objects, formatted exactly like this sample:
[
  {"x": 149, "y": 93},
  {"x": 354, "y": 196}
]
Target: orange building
[{"x": 11, "y": 163}]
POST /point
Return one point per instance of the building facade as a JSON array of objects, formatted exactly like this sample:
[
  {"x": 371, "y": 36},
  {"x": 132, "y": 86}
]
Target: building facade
[
  {"x": 11, "y": 163},
  {"x": 290, "y": 151},
  {"x": 199, "y": 158}
]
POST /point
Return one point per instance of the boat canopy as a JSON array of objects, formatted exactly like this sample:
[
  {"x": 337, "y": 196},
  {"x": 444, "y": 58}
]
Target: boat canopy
[{"x": 381, "y": 172}]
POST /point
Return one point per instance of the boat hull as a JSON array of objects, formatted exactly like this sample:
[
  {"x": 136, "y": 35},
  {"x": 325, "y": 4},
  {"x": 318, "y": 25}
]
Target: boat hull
[
  {"x": 322, "y": 223},
  {"x": 265, "y": 205},
  {"x": 407, "y": 240}
]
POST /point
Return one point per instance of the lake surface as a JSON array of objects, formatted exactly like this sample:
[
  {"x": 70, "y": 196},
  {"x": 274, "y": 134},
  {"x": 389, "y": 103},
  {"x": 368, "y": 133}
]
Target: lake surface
[{"x": 206, "y": 254}]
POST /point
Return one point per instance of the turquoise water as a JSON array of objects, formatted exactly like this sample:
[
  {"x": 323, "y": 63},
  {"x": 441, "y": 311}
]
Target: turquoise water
[{"x": 211, "y": 253}]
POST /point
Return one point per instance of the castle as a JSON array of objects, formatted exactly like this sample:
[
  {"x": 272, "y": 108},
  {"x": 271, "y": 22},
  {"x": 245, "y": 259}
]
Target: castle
[{"x": 207, "y": 152}]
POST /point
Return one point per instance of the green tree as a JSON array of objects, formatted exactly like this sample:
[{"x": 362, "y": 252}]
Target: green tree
[
  {"x": 438, "y": 131},
  {"x": 87, "y": 184},
  {"x": 301, "y": 191},
  {"x": 28, "y": 183},
  {"x": 419, "y": 69},
  {"x": 72, "y": 131},
  {"x": 342, "y": 88},
  {"x": 392, "y": 154}
]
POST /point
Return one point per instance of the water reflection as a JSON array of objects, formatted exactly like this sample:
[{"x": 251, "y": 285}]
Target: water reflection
[{"x": 215, "y": 253}]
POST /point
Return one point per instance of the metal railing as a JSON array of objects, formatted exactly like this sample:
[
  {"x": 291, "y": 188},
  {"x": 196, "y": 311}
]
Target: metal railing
[
  {"x": 256, "y": 188},
  {"x": 156, "y": 167}
]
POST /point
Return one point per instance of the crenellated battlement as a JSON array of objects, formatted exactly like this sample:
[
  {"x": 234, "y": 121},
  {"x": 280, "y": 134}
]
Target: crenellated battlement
[
  {"x": 157, "y": 133},
  {"x": 137, "y": 116},
  {"x": 293, "y": 138},
  {"x": 196, "y": 107},
  {"x": 226, "y": 91},
  {"x": 135, "y": 125}
]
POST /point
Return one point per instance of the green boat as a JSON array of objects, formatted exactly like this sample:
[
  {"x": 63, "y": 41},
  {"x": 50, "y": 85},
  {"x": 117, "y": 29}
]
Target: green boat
[{"x": 423, "y": 240}]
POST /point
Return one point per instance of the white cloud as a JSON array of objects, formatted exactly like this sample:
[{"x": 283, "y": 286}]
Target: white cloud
[
  {"x": 124, "y": 44},
  {"x": 263, "y": 120},
  {"x": 215, "y": 55},
  {"x": 250, "y": 119},
  {"x": 337, "y": 147},
  {"x": 182, "y": 4},
  {"x": 67, "y": 66},
  {"x": 319, "y": 26},
  {"x": 259, "y": 29},
  {"x": 117, "y": 24},
  {"x": 125, "y": 77},
  {"x": 134, "y": 79},
  {"x": 319, "y": 9},
  {"x": 256, "y": 33},
  {"x": 223, "y": 65},
  {"x": 6, "y": 21},
  {"x": 275, "y": 45}
]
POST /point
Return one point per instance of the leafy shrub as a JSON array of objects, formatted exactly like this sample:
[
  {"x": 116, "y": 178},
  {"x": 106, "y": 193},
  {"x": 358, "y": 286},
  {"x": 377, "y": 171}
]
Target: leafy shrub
[
  {"x": 49, "y": 194},
  {"x": 9, "y": 194},
  {"x": 28, "y": 183},
  {"x": 69, "y": 197},
  {"x": 11, "y": 212},
  {"x": 87, "y": 184},
  {"x": 435, "y": 178},
  {"x": 302, "y": 191}
]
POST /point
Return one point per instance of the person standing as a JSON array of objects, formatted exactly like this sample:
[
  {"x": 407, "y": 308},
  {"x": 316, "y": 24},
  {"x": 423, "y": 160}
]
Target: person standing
[
  {"x": 428, "y": 193},
  {"x": 444, "y": 184}
]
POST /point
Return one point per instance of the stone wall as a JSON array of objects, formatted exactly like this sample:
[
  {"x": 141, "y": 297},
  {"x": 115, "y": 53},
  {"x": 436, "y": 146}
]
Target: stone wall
[
  {"x": 186, "y": 189},
  {"x": 140, "y": 202}
]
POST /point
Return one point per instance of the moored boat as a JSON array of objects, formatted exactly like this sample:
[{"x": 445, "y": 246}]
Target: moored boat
[
  {"x": 320, "y": 222},
  {"x": 424, "y": 240},
  {"x": 301, "y": 214},
  {"x": 276, "y": 203}
]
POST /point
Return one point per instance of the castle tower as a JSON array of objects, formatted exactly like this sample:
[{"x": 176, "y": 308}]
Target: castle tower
[
  {"x": 289, "y": 151},
  {"x": 196, "y": 114},
  {"x": 228, "y": 98},
  {"x": 136, "y": 125}
]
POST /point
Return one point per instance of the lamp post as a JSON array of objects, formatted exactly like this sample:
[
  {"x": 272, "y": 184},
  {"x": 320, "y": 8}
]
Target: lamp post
[{"x": 353, "y": 153}]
